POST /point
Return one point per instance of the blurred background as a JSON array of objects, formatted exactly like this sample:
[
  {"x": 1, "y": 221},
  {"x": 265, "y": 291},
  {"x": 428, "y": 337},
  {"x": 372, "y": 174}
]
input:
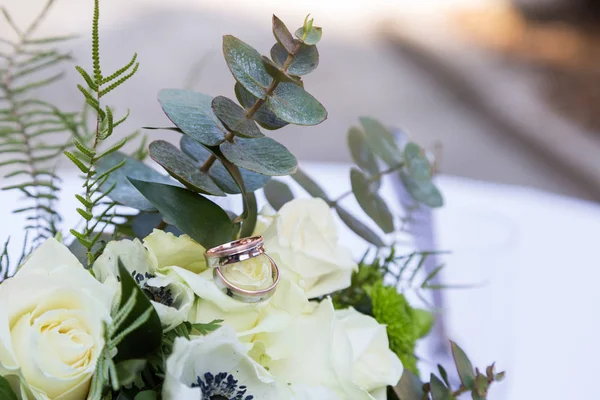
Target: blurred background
[{"x": 505, "y": 91}]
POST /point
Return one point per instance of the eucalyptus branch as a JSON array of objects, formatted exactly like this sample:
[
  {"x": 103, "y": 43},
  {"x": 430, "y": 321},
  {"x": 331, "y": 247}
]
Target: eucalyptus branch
[
  {"x": 372, "y": 179},
  {"x": 257, "y": 104}
]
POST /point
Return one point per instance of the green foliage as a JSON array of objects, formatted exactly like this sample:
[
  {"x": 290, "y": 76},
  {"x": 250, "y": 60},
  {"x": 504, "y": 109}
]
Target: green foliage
[
  {"x": 89, "y": 156},
  {"x": 134, "y": 333},
  {"x": 223, "y": 149},
  {"x": 404, "y": 325},
  {"x": 28, "y": 125},
  {"x": 6, "y": 392}
]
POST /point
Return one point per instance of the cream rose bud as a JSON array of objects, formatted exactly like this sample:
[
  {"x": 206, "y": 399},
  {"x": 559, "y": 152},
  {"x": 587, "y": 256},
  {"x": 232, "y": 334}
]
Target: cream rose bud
[
  {"x": 216, "y": 366},
  {"x": 169, "y": 295},
  {"x": 51, "y": 325},
  {"x": 374, "y": 365},
  {"x": 303, "y": 240}
]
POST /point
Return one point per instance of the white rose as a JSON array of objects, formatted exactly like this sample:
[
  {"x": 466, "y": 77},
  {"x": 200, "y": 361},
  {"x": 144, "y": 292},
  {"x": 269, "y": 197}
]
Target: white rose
[
  {"x": 304, "y": 241},
  {"x": 51, "y": 325},
  {"x": 265, "y": 218},
  {"x": 374, "y": 365},
  {"x": 343, "y": 351},
  {"x": 252, "y": 274},
  {"x": 216, "y": 366},
  {"x": 149, "y": 265}
]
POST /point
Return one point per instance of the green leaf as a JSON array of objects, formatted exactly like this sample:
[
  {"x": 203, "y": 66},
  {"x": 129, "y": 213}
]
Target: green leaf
[
  {"x": 312, "y": 37},
  {"x": 310, "y": 185},
  {"x": 146, "y": 339},
  {"x": 195, "y": 215},
  {"x": 439, "y": 391},
  {"x": 481, "y": 387},
  {"x": 417, "y": 164},
  {"x": 423, "y": 191},
  {"x": 234, "y": 118},
  {"x": 262, "y": 155},
  {"x": 463, "y": 366},
  {"x": 359, "y": 228},
  {"x": 293, "y": 104},
  {"x": 361, "y": 154},
  {"x": 372, "y": 204},
  {"x": 192, "y": 113},
  {"x": 381, "y": 141},
  {"x": 278, "y": 193},
  {"x": 124, "y": 193},
  {"x": 183, "y": 168},
  {"x": 6, "y": 392},
  {"x": 218, "y": 172},
  {"x": 205, "y": 329},
  {"x": 263, "y": 115},
  {"x": 245, "y": 63},
  {"x": 146, "y": 395},
  {"x": 444, "y": 375},
  {"x": 278, "y": 74},
  {"x": 410, "y": 387},
  {"x": 283, "y": 35},
  {"x": 305, "y": 60}
]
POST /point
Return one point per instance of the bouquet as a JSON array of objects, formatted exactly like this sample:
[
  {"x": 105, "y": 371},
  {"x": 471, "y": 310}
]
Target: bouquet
[{"x": 161, "y": 293}]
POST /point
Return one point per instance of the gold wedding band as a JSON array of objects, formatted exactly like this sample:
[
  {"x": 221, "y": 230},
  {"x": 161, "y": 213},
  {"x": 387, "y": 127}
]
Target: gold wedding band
[{"x": 234, "y": 252}]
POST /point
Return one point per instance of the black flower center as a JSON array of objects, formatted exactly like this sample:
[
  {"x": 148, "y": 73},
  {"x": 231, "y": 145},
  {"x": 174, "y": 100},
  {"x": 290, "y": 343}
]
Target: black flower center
[
  {"x": 161, "y": 295},
  {"x": 222, "y": 386}
]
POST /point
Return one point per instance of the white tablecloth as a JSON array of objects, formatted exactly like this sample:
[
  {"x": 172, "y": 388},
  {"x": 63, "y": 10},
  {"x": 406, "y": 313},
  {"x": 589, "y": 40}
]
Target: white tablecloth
[{"x": 536, "y": 312}]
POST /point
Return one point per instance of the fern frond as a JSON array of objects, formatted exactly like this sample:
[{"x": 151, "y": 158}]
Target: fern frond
[
  {"x": 87, "y": 78},
  {"x": 120, "y": 81},
  {"x": 96, "y": 42},
  {"x": 120, "y": 71}
]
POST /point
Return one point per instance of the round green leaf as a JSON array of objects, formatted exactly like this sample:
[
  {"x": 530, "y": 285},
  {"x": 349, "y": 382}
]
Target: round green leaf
[
  {"x": 279, "y": 74},
  {"x": 245, "y": 63},
  {"x": 234, "y": 117},
  {"x": 193, "y": 214},
  {"x": 262, "y": 155},
  {"x": 417, "y": 164},
  {"x": 263, "y": 115},
  {"x": 183, "y": 168},
  {"x": 252, "y": 180},
  {"x": 372, "y": 204},
  {"x": 192, "y": 113},
  {"x": 283, "y": 35},
  {"x": 305, "y": 61},
  {"x": 361, "y": 154},
  {"x": 312, "y": 37},
  {"x": 293, "y": 104},
  {"x": 278, "y": 193},
  {"x": 124, "y": 193},
  {"x": 423, "y": 191},
  {"x": 381, "y": 141}
]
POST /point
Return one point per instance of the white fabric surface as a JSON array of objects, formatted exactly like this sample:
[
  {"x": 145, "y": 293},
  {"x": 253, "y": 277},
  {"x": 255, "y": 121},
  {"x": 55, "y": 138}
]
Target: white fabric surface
[{"x": 536, "y": 315}]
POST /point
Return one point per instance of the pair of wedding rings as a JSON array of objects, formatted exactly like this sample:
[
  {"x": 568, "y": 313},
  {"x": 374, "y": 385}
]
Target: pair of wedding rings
[{"x": 234, "y": 252}]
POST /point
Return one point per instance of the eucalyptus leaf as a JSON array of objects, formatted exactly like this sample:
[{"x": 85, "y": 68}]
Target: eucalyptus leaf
[
  {"x": 371, "y": 203},
  {"x": 183, "y": 168},
  {"x": 6, "y": 392},
  {"x": 312, "y": 37},
  {"x": 278, "y": 74},
  {"x": 381, "y": 141},
  {"x": 310, "y": 185},
  {"x": 422, "y": 191},
  {"x": 410, "y": 387},
  {"x": 262, "y": 155},
  {"x": 283, "y": 35},
  {"x": 218, "y": 172},
  {"x": 124, "y": 193},
  {"x": 234, "y": 118},
  {"x": 144, "y": 223},
  {"x": 439, "y": 391},
  {"x": 293, "y": 104},
  {"x": 245, "y": 63},
  {"x": 147, "y": 338},
  {"x": 361, "y": 153},
  {"x": 417, "y": 164},
  {"x": 263, "y": 116},
  {"x": 278, "y": 193},
  {"x": 193, "y": 214},
  {"x": 192, "y": 113},
  {"x": 463, "y": 366},
  {"x": 359, "y": 228},
  {"x": 304, "y": 62}
]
